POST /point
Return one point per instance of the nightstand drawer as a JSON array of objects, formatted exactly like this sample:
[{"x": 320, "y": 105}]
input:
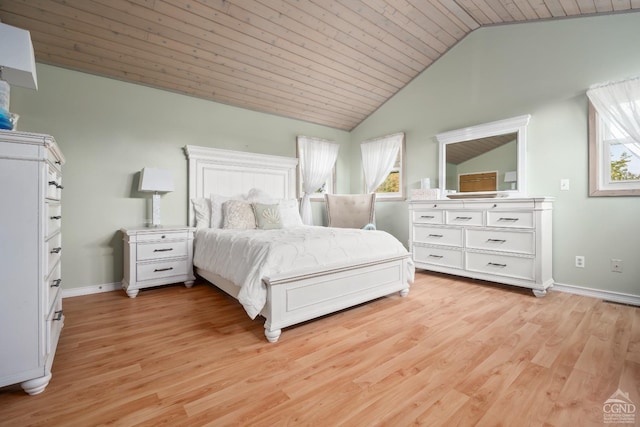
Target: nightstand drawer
[
  {"x": 510, "y": 219},
  {"x": 162, "y": 236},
  {"x": 54, "y": 248},
  {"x": 161, "y": 250},
  {"x": 428, "y": 217},
  {"x": 466, "y": 218},
  {"x": 159, "y": 270}
]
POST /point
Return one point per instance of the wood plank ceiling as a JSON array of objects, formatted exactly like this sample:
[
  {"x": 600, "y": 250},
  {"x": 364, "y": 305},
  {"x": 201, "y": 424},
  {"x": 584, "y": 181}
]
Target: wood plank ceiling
[{"x": 331, "y": 62}]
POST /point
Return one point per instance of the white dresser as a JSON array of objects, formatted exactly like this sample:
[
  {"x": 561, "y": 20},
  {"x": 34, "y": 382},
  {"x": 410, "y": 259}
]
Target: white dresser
[
  {"x": 30, "y": 251},
  {"x": 157, "y": 256},
  {"x": 502, "y": 240}
]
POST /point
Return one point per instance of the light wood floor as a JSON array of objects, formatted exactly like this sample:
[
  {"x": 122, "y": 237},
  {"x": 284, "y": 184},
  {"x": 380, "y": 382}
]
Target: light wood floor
[{"x": 454, "y": 352}]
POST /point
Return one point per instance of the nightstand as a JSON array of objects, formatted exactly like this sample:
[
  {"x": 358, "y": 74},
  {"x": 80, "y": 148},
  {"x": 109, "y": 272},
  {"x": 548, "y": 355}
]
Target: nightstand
[{"x": 157, "y": 256}]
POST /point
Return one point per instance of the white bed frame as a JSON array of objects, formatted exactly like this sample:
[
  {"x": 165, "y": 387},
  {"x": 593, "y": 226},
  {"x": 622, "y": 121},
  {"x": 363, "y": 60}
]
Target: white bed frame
[{"x": 307, "y": 295}]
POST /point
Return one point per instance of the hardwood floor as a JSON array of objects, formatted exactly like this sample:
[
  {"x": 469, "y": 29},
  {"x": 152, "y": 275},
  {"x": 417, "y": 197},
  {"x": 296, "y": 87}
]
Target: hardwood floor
[{"x": 454, "y": 352}]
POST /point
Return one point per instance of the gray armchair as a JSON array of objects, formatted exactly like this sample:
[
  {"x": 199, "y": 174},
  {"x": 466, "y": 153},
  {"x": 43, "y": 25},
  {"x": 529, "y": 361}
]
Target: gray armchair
[{"x": 351, "y": 210}]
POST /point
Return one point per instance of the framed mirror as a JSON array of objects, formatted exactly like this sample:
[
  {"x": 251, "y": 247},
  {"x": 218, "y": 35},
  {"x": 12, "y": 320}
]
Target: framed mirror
[{"x": 487, "y": 160}]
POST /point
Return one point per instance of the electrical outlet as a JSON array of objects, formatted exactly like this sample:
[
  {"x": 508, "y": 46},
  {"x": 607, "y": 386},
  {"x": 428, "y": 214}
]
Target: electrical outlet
[
  {"x": 616, "y": 265},
  {"x": 579, "y": 261},
  {"x": 564, "y": 184}
]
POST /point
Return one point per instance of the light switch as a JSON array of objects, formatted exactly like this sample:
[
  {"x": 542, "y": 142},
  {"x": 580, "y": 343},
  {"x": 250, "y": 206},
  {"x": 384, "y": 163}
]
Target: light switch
[{"x": 564, "y": 184}]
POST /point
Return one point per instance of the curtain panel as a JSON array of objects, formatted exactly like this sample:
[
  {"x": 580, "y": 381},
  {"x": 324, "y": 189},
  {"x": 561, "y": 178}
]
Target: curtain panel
[{"x": 378, "y": 157}]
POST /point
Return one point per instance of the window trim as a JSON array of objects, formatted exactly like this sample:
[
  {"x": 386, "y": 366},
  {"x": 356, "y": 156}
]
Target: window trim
[{"x": 596, "y": 169}]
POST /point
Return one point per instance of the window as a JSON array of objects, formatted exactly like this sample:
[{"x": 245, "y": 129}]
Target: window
[
  {"x": 383, "y": 164},
  {"x": 614, "y": 159}
]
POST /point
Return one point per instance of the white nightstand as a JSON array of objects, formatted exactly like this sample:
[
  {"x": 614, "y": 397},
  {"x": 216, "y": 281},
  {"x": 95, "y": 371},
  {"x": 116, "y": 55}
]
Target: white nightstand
[{"x": 157, "y": 256}]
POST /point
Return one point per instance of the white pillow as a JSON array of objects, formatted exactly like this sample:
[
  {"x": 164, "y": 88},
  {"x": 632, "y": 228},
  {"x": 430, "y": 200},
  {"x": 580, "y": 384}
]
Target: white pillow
[
  {"x": 256, "y": 195},
  {"x": 202, "y": 209},
  {"x": 290, "y": 213},
  {"x": 238, "y": 214}
]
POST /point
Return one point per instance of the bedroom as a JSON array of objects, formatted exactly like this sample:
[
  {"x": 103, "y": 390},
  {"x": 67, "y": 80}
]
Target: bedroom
[{"x": 109, "y": 130}]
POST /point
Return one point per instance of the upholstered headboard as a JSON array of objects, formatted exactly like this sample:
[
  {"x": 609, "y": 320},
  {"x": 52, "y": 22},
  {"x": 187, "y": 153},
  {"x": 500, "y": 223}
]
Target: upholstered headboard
[{"x": 227, "y": 173}]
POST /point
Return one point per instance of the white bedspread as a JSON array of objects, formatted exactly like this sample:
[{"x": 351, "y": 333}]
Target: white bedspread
[{"x": 244, "y": 257}]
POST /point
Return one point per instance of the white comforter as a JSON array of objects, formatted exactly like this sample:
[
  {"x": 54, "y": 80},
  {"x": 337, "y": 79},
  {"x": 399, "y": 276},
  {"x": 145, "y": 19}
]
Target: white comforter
[{"x": 245, "y": 257}]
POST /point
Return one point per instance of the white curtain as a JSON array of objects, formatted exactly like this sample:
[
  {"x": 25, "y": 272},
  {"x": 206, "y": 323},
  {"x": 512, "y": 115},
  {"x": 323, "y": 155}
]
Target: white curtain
[
  {"x": 317, "y": 158},
  {"x": 378, "y": 157},
  {"x": 619, "y": 104}
]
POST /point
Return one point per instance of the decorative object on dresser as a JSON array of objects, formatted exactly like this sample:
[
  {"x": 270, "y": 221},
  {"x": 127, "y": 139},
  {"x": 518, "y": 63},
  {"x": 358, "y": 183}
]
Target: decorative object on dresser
[
  {"x": 155, "y": 181},
  {"x": 505, "y": 240},
  {"x": 30, "y": 295},
  {"x": 157, "y": 256},
  {"x": 17, "y": 67}
]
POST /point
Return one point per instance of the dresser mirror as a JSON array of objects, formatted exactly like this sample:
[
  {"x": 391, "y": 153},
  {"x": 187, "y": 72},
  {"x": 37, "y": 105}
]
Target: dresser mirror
[{"x": 487, "y": 160}]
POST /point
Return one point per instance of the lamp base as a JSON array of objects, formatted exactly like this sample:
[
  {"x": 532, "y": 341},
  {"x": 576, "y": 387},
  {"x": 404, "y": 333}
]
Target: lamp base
[{"x": 155, "y": 210}]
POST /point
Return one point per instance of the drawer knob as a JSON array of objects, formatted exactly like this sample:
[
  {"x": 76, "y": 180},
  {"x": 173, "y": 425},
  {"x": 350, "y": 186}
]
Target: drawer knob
[
  {"x": 436, "y": 235},
  {"x": 55, "y": 217},
  {"x": 58, "y": 315},
  {"x": 463, "y": 218},
  {"x": 496, "y": 240},
  {"x": 163, "y": 250},
  {"x": 435, "y": 256},
  {"x": 56, "y": 250},
  {"x": 56, "y": 283},
  {"x": 427, "y": 216},
  {"x": 162, "y": 269},
  {"x": 507, "y": 219}
]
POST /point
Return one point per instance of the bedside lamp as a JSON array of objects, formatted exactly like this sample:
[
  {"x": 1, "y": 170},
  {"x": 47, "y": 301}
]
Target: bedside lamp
[
  {"x": 156, "y": 181},
  {"x": 512, "y": 178},
  {"x": 17, "y": 67}
]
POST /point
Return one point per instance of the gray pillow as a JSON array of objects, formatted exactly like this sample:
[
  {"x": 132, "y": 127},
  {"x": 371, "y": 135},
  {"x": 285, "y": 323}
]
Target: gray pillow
[{"x": 267, "y": 216}]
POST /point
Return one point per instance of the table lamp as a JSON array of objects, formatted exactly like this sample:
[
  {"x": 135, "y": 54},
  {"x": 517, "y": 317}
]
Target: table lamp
[
  {"x": 156, "y": 181},
  {"x": 17, "y": 67},
  {"x": 512, "y": 178}
]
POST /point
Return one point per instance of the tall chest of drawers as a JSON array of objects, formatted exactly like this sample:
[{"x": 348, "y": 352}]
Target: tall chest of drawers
[
  {"x": 501, "y": 240},
  {"x": 30, "y": 256}
]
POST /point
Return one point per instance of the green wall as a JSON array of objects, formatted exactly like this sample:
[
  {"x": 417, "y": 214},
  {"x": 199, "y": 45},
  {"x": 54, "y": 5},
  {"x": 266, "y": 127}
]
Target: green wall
[
  {"x": 542, "y": 69},
  {"x": 109, "y": 130}
]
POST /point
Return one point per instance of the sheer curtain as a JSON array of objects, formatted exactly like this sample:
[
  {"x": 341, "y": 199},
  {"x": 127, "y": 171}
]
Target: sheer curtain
[
  {"x": 378, "y": 157},
  {"x": 618, "y": 103},
  {"x": 317, "y": 157}
]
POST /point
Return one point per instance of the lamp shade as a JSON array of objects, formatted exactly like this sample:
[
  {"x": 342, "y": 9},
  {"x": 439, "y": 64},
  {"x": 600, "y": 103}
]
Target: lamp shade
[
  {"x": 16, "y": 57},
  {"x": 510, "y": 176},
  {"x": 155, "y": 180}
]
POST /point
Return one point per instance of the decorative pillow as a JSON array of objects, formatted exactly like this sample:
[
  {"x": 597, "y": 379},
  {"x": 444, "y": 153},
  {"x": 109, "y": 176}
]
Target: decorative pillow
[
  {"x": 267, "y": 216},
  {"x": 217, "y": 200},
  {"x": 238, "y": 215},
  {"x": 290, "y": 213},
  {"x": 202, "y": 209}
]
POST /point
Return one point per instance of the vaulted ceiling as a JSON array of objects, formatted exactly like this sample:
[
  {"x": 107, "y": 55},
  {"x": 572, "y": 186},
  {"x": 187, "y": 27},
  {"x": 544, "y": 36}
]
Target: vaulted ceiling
[{"x": 331, "y": 62}]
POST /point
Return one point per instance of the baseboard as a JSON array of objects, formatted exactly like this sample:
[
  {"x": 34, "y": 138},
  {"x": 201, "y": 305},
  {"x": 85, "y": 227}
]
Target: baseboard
[
  {"x": 87, "y": 290},
  {"x": 599, "y": 293}
]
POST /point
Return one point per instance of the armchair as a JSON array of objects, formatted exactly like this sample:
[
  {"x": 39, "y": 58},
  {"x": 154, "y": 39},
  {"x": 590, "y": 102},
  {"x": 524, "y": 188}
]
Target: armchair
[{"x": 351, "y": 210}]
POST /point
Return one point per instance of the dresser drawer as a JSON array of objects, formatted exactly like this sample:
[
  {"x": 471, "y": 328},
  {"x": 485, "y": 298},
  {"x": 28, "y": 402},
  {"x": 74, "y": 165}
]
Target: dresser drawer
[
  {"x": 53, "y": 212},
  {"x": 438, "y": 256},
  {"x": 159, "y": 270},
  {"x": 438, "y": 235},
  {"x": 161, "y": 250},
  {"x": 510, "y": 219},
  {"x": 55, "y": 321},
  {"x": 54, "y": 250},
  {"x": 54, "y": 185},
  {"x": 505, "y": 241},
  {"x": 53, "y": 285},
  {"x": 428, "y": 217},
  {"x": 159, "y": 237},
  {"x": 466, "y": 218},
  {"x": 501, "y": 265}
]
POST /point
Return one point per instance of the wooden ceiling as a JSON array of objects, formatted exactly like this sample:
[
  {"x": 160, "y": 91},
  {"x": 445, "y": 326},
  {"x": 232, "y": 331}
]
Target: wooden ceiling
[
  {"x": 462, "y": 151},
  {"x": 331, "y": 62}
]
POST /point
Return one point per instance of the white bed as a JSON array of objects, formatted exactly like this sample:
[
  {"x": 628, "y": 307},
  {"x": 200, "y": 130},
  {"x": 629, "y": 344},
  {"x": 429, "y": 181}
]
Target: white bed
[{"x": 293, "y": 295}]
